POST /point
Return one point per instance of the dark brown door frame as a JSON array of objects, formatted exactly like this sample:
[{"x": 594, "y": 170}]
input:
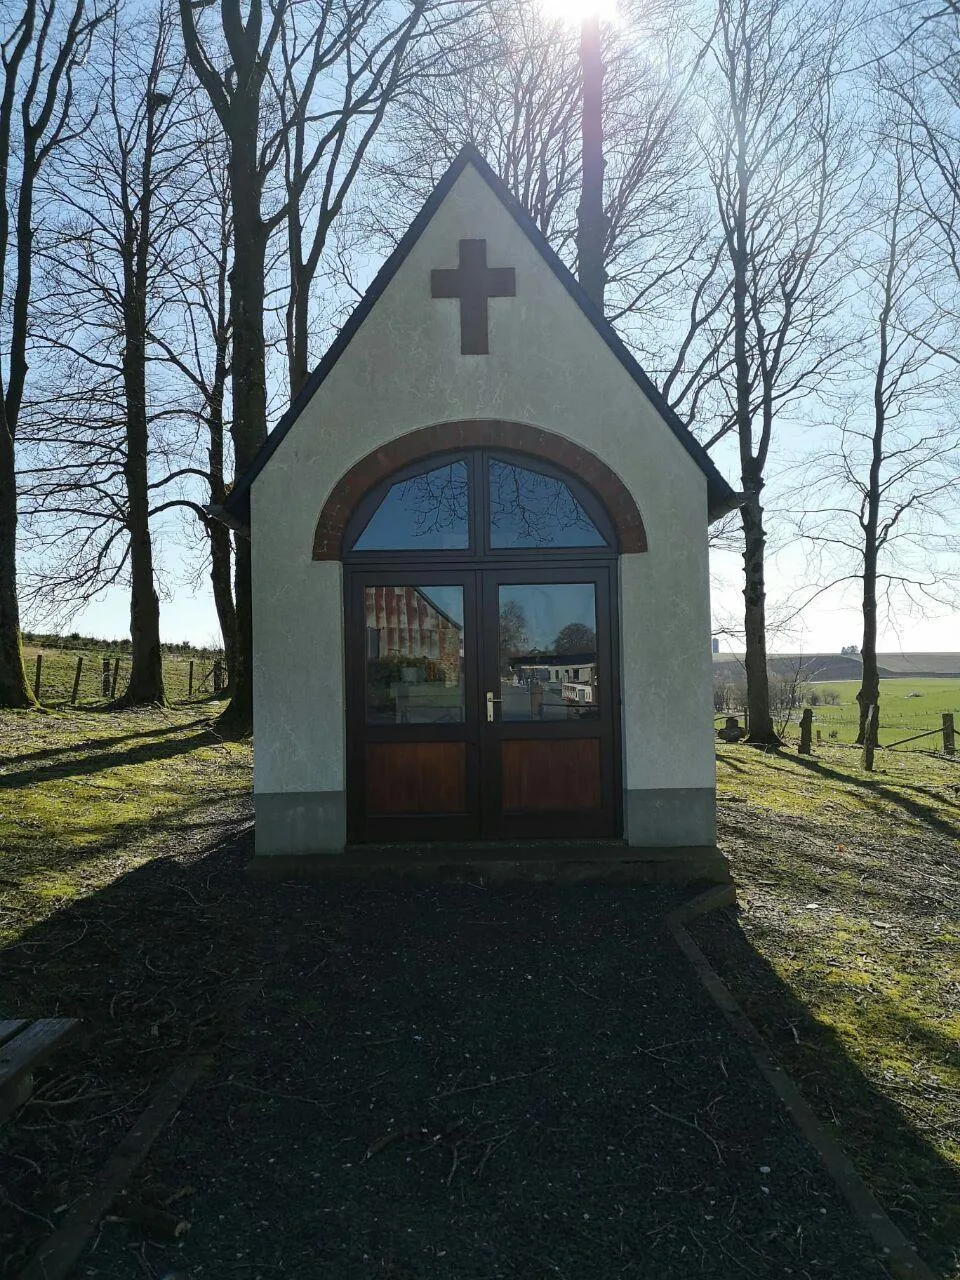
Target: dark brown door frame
[
  {"x": 605, "y": 823},
  {"x": 478, "y": 571},
  {"x": 484, "y": 819},
  {"x": 364, "y": 828}
]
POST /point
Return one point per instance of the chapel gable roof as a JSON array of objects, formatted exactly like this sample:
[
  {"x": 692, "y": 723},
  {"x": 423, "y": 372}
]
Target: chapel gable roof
[{"x": 720, "y": 497}]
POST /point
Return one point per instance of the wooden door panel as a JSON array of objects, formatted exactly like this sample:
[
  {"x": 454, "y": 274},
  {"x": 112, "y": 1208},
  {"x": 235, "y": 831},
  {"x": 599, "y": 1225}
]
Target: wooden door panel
[
  {"x": 415, "y": 777},
  {"x": 557, "y": 776}
]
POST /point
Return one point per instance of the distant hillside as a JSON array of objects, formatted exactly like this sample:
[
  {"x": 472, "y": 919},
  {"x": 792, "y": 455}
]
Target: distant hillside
[{"x": 837, "y": 666}]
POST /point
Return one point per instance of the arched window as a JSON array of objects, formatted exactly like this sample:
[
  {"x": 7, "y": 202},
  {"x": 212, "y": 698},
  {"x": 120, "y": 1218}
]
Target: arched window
[
  {"x": 477, "y": 504},
  {"x": 481, "y": 650}
]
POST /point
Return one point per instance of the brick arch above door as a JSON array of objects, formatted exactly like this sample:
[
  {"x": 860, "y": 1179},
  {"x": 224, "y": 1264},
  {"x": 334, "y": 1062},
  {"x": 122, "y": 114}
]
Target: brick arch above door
[{"x": 477, "y": 433}]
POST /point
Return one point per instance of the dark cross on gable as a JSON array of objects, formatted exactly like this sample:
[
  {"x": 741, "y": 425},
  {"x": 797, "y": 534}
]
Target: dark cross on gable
[{"x": 473, "y": 282}]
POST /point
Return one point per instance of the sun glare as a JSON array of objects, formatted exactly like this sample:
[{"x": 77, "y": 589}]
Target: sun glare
[{"x": 573, "y": 12}]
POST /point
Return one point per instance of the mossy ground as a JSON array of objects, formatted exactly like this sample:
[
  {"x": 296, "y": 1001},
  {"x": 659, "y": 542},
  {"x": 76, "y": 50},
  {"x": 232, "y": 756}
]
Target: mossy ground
[
  {"x": 849, "y": 889},
  {"x": 85, "y": 797}
]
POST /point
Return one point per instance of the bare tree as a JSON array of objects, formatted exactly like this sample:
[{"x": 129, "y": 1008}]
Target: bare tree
[
  {"x": 232, "y": 65},
  {"x": 41, "y": 48},
  {"x": 342, "y": 66},
  {"x": 591, "y": 219},
  {"x": 292, "y": 89},
  {"x": 888, "y": 522},
  {"x": 778, "y": 159},
  {"x": 119, "y": 219},
  {"x": 194, "y": 340},
  {"x": 922, "y": 75}
]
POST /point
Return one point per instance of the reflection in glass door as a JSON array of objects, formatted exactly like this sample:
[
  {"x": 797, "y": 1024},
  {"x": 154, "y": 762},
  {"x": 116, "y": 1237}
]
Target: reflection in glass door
[
  {"x": 547, "y": 733},
  {"x": 548, "y": 651},
  {"x": 412, "y": 671},
  {"x": 414, "y": 654}
]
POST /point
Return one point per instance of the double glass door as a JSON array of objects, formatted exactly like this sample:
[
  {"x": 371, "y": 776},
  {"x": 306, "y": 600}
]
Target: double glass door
[{"x": 481, "y": 703}]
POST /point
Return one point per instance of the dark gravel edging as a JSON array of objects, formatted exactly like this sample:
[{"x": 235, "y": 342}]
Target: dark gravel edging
[{"x": 898, "y": 1253}]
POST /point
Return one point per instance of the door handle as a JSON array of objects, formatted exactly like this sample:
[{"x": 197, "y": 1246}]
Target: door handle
[{"x": 490, "y": 701}]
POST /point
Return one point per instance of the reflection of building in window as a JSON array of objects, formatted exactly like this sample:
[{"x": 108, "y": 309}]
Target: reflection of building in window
[
  {"x": 401, "y": 622},
  {"x": 555, "y": 668},
  {"x": 560, "y": 685}
]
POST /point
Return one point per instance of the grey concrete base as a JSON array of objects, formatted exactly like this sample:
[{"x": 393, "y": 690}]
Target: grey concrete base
[
  {"x": 670, "y": 836},
  {"x": 670, "y": 817},
  {"x": 611, "y": 861},
  {"x": 298, "y": 822}
]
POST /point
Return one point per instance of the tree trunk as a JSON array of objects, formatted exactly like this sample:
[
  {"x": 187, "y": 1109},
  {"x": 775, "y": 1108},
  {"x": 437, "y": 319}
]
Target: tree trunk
[
  {"x": 220, "y": 564},
  {"x": 299, "y": 357},
  {"x": 146, "y": 669},
  {"x": 217, "y": 532},
  {"x": 760, "y": 720},
  {"x": 869, "y": 693},
  {"x": 591, "y": 220},
  {"x": 14, "y": 690},
  {"x": 248, "y": 381},
  {"x": 146, "y": 666},
  {"x": 298, "y": 304}
]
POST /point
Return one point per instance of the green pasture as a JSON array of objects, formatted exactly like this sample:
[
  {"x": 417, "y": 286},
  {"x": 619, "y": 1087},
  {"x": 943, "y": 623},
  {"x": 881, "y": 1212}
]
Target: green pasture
[
  {"x": 59, "y": 666},
  {"x": 907, "y": 706}
]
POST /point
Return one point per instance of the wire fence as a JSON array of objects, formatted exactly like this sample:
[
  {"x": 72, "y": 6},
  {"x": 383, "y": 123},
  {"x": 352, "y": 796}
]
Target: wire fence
[
  {"x": 92, "y": 678},
  {"x": 922, "y": 731}
]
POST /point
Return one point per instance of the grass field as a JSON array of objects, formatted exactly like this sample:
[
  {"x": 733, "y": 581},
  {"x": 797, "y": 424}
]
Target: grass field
[
  {"x": 844, "y": 951},
  {"x": 907, "y": 707},
  {"x": 846, "y": 954},
  {"x": 85, "y": 796},
  {"x": 59, "y": 666}
]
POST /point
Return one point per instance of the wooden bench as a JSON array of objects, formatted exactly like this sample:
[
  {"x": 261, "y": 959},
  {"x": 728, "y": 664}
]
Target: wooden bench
[{"x": 23, "y": 1046}]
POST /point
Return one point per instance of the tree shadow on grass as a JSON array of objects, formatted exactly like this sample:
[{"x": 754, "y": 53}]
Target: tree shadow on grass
[
  {"x": 914, "y": 1183},
  {"x": 931, "y": 815},
  {"x": 97, "y": 760},
  {"x": 730, "y": 764},
  {"x": 833, "y": 863},
  {"x": 54, "y": 753}
]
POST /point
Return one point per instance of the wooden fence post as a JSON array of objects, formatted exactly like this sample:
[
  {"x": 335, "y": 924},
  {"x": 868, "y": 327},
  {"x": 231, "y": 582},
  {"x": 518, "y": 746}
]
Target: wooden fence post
[
  {"x": 217, "y": 676},
  {"x": 76, "y": 680},
  {"x": 105, "y": 678},
  {"x": 806, "y": 732},
  {"x": 36, "y": 678},
  {"x": 113, "y": 682},
  {"x": 190, "y": 680},
  {"x": 949, "y": 734},
  {"x": 870, "y": 737}
]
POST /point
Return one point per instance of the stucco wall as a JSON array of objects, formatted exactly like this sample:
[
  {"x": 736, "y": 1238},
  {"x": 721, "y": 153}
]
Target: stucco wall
[{"x": 548, "y": 367}]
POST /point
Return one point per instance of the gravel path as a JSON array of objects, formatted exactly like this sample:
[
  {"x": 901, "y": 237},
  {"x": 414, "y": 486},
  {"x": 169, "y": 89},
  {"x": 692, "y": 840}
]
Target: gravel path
[{"x": 460, "y": 1081}]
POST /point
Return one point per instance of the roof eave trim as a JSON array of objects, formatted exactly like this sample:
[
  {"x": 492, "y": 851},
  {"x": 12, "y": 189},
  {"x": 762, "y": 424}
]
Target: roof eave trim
[{"x": 719, "y": 507}]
